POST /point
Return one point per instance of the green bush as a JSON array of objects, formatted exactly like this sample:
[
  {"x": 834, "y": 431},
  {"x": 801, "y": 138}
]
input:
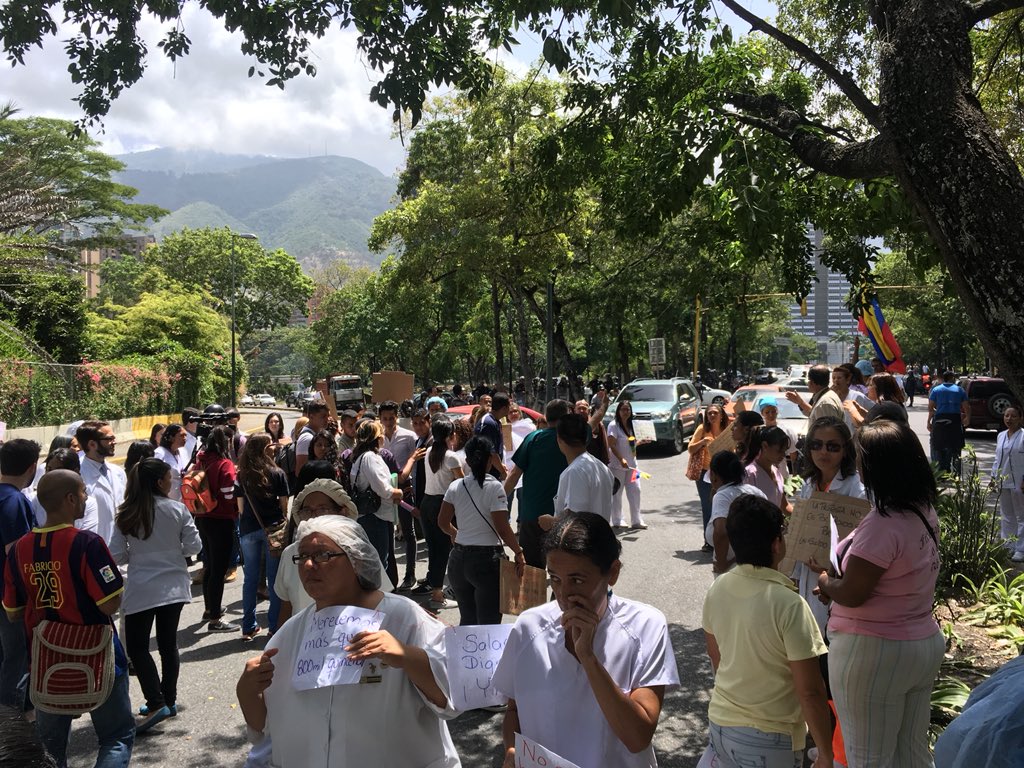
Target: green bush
[{"x": 970, "y": 547}]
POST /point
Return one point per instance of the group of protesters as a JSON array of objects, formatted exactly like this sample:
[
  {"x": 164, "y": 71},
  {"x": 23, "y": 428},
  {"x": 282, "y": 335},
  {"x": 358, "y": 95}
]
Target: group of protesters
[{"x": 847, "y": 650}]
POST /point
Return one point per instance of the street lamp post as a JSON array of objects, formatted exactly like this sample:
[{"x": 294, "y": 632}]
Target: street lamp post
[{"x": 235, "y": 236}]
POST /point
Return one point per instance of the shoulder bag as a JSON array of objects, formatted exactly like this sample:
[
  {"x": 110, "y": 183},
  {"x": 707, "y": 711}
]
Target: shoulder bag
[
  {"x": 72, "y": 667},
  {"x": 277, "y": 535},
  {"x": 497, "y": 555},
  {"x": 367, "y": 501}
]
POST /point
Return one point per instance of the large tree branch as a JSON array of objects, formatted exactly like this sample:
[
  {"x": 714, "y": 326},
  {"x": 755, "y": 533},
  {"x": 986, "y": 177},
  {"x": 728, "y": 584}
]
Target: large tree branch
[
  {"x": 986, "y": 9},
  {"x": 843, "y": 80},
  {"x": 871, "y": 159}
]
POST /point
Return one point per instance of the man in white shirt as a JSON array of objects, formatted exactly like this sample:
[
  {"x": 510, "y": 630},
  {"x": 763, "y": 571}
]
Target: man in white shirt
[
  {"x": 186, "y": 451},
  {"x": 586, "y": 484},
  {"x": 318, "y": 414},
  {"x": 402, "y": 444},
  {"x": 104, "y": 482}
]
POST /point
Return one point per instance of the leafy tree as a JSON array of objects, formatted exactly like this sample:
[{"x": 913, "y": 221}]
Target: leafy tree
[
  {"x": 897, "y": 99},
  {"x": 268, "y": 285}
]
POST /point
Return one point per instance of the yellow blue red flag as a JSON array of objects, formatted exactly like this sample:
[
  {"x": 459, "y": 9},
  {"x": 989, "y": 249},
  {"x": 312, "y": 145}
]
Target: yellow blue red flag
[{"x": 873, "y": 325}]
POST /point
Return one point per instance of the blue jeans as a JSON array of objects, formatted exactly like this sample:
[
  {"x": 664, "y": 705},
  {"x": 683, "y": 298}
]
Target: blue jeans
[
  {"x": 13, "y": 663},
  {"x": 112, "y": 720},
  {"x": 738, "y": 747},
  {"x": 381, "y": 534},
  {"x": 254, "y": 552},
  {"x": 704, "y": 492}
]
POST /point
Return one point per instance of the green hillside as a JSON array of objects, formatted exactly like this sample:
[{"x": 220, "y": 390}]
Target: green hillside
[{"x": 317, "y": 208}]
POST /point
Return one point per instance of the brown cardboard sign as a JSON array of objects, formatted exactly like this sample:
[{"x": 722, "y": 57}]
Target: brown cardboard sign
[{"x": 392, "y": 385}]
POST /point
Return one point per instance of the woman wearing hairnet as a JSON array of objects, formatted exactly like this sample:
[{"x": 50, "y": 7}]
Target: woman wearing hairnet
[{"x": 397, "y": 717}]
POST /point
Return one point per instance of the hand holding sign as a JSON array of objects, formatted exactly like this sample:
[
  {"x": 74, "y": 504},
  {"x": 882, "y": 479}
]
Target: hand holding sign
[
  {"x": 530, "y": 754},
  {"x": 323, "y": 659}
]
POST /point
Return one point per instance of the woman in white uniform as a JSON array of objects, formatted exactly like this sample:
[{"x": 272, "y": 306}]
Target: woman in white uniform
[
  {"x": 396, "y": 715},
  {"x": 622, "y": 443},
  {"x": 169, "y": 452},
  {"x": 586, "y": 674},
  {"x": 1008, "y": 474}
]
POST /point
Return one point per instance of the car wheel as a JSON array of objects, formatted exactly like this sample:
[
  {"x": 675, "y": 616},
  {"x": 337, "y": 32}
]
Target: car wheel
[
  {"x": 718, "y": 400},
  {"x": 678, "y": 444},
  {"x": 998, "y": 403}
]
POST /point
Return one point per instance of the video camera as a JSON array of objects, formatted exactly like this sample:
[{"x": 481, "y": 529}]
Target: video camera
[{"x": 212, "y": 416}]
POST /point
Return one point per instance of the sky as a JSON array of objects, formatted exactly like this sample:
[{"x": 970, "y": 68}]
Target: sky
[{"x": 206, "y": 101}]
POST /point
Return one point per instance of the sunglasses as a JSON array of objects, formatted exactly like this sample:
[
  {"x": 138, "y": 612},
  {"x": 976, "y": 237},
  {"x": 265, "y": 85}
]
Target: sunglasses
[
  {"x": 319, "y": 558},
  {"x": 817, "y": 445}
]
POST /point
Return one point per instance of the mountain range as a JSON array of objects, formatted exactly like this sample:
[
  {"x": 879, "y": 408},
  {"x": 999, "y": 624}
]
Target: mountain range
[{"x": 319, "y": 209}]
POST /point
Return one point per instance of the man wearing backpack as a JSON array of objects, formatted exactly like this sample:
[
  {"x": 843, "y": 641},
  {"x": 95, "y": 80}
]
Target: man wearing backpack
[
  {"x": 65, "y": 575},
  {"x": 318, "y": 415}
]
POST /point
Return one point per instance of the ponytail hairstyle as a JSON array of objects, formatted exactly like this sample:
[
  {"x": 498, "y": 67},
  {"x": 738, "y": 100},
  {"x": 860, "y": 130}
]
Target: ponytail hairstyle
[
  {"x": 441, "y": 429},
  {"x": 478, "y": 457},
  {"x": 764, "y": 435},
  {"x": 727, "y": 466},
  {"x": 135, "y": 516}
]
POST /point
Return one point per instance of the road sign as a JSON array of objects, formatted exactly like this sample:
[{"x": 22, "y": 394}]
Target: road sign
[
  {"x": 783, "y": 341},
  {"x": 656, "y": 351}
]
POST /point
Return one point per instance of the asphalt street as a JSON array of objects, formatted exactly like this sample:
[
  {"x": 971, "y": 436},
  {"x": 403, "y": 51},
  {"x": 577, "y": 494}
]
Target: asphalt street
[{"x": 662, "y": 566}]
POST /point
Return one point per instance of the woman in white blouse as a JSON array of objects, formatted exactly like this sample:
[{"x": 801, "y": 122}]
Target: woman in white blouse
[
  {"x": 372, "y": 491},
  {"x": 1008, "y": 473},
  {"x": 169, "y": 451},
  {"x": 396, "y": 715},
  {"x": 480, "y": 506},
  {"x": 153, "y": 535},
  {"x": 442, "y": 467},
  {"x": 586, "y": 674}
]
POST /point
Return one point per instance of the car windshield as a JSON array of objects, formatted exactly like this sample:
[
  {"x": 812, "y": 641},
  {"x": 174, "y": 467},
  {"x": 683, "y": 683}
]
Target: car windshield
[
  {"x": 787, "y": 410},
  {"x": 649, "y": 393},
  {"x": 745, "y": 395}
]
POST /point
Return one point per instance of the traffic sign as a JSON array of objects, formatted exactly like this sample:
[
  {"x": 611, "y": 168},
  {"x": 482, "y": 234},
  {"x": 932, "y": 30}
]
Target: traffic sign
[{"x": 656, "y": 351}]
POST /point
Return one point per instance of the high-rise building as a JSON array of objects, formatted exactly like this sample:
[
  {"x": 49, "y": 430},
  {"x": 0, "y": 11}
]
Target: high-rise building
[
  {"x": 827, "y": 314},
  {"x": 89, "y": 259}
]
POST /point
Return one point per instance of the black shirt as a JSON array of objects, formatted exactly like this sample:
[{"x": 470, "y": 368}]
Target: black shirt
[{"x": 267, "y": 504}]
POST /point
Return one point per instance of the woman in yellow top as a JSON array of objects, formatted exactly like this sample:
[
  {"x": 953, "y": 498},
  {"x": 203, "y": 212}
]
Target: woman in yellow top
[{"x": 715, "y": 422}]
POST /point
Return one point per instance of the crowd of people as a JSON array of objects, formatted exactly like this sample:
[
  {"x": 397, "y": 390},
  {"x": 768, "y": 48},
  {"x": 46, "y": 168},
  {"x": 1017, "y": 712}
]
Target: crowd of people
[{"x": 847, "y": 649}]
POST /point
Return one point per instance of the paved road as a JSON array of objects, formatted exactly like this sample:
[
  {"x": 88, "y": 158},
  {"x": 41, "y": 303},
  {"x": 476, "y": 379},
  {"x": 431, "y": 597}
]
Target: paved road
[{"x": 662, "y": 566}]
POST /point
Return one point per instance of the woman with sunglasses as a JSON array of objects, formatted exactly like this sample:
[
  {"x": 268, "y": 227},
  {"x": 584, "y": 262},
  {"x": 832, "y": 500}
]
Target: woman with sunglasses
[
  {"x": 715, "y": 422},
  {"x": 396, "y": 715},
  {"x": 831, "y": 468}
]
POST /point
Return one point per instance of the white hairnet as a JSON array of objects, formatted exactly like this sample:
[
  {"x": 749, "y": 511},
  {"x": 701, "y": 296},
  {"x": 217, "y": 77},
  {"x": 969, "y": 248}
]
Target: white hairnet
[
  {"x": 349, "y": 535},
  {"x": 329, "y": 488}
]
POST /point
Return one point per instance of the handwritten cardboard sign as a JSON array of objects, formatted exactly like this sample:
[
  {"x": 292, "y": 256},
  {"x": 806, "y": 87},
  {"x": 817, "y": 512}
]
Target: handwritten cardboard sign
[
  {"x": 530, "y": 754},
  {"x": 810, "y": 527},
  {"x": 322, "y": 660},
  {"x": 724, "y": 442},
  {"x": 643, "y": 430},
  {"x": 392, "y": 385},
  {"x": 506, "y": 436},
  {"x": 473, "y": 655},
  {"x": 520, "y": 595}
]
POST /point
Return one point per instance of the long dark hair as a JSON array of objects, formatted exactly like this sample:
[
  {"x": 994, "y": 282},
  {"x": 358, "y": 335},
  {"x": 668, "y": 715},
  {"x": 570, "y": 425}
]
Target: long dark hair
[
  {"x": 158, "y": 427},
  {"x": 886, "y": 388},
  {"x": 218, "y": 442},
  {"x": 585, "y": 534},
  {"x": 171, "y": 432},
  {"x": 728, "y": 467},
  {"x": 135, "y": 516},
  {"x": 626, "y": 427},
  {"x": 137, "y": 451},
  {"x": 441, "y": 429},
  {"x": 895, "y": 471},
  {"x": 763, "y": 435},
  {"x": 724, "y": 419},
  {"x": 849, "y": 463},
  {"x": 331, "y": 454},
  {"x": 280, "y": 426},
  {"x": 254, "y": 466},
  {"x": 478, "y": 457}
]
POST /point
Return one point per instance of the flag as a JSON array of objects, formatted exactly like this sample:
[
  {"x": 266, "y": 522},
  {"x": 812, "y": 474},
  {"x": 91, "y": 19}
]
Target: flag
[
  {"x": 873, "y": 325},
  {"x": 636, "y": 475}
]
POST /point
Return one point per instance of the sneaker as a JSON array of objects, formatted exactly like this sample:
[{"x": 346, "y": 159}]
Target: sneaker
[
  {"x": 449, "y": 593},
  {"x": 222, "y": 626},
  {"x": 152, "y": 719},
  {"x": 707, "y": 548},
  {"x": 638, "y": 527},
  {"x": 421, "y": 589},
  {"x": 144, "y": 710},
  {"x": 248, "y": 637},
  {"x": 231, "y": 576},
  {"x": 405, "y": 586},
  {"x": 206, "y": 615},
  {"x": 1018, "y": 557}
]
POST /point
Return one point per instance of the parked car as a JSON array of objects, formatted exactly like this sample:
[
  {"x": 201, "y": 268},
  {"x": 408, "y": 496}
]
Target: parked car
[
  {"x": 264, "y": 400},
  {"x": 671, "y": 404},
  {"x": 246, "y": 400},
  {"x": 292, "y": 398},
  {"x": 987, "y": 398},
  {"x": 765, "y": 376},
  {"x": 305, "y": 398},
  {"x": 712, "y": 396}
]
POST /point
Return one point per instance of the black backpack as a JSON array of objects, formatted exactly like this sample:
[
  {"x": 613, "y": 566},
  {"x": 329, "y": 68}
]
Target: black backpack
[{"x": 285, "y": 459}]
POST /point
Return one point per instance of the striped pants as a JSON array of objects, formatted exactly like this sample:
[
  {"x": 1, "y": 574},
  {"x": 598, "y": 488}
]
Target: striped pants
[{"x": 882, "y": 690}]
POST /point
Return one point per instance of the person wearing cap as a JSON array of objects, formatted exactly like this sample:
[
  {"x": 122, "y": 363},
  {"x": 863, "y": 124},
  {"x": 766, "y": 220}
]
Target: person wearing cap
[
  {"x": 436, "y": 405},
  {"x": 769, "y": 408},
  {"x": 396, "y": 715},
  {"x": 320, "y": 497}
]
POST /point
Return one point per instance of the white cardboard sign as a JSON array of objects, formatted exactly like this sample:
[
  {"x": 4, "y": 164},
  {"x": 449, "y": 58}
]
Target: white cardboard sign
[
  {"x": 473, "y": 655},
  {"x": 530, "y": 754},
  {"x": 322, "y": 660},
  {"x": 644, "y": 430}
]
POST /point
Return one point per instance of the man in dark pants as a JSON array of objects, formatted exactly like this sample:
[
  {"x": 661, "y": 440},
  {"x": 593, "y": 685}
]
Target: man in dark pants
[
  {"x": 948, "y": 414},
  {"x": 402, "y": 443},
  {"x": 540, "y": 462}
]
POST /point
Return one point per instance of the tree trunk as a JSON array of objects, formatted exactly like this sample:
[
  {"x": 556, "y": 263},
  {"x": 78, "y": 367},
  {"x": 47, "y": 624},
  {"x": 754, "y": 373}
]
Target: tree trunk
[
  {"x": 499, "y": 347},
  {"x": 954, "y": 168}
]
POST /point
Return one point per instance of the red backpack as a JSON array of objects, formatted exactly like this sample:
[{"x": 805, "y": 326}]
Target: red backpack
[{"x": 195, "y": 491}]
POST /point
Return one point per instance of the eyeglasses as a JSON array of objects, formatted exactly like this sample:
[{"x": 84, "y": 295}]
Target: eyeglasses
[
  {"x": 317, "y": 511},
  {"x": 319, "y": 558},
  {"x": 817, "y": 445}
]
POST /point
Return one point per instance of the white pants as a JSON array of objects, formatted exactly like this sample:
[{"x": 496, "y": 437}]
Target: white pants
[
  {"x": 632, "y": 492},
  {"x": 1011, "y": 510},
  {"x": 882, "y": 690}
]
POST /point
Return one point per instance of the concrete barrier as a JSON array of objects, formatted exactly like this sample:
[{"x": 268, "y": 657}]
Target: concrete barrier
[{"x": 126, "y": 430}]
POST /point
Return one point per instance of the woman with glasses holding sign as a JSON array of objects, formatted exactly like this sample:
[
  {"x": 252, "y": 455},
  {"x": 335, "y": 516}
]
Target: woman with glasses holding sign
[
  {"x": 586, "y": 674},
  {"x": 393, "y": 713}
]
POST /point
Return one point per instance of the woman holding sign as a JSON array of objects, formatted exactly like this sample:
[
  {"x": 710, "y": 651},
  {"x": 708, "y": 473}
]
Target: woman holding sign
[
  {"x": 885, "y": 645},
  {"x": 586, "y": 674},
  {"x": 319, "y": 690}
]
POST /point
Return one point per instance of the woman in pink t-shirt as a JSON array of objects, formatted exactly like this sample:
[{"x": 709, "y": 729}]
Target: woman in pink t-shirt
[
  {"x": 886, "y": 647},
  {"x": 766, "y": 449}
]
